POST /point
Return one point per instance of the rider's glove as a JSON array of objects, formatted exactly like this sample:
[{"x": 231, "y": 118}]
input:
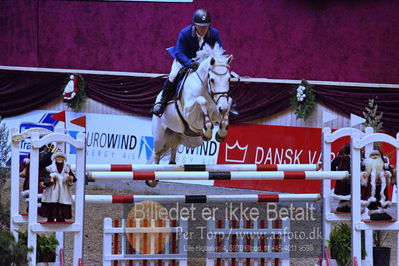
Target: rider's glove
[{"x": 194, "y": 65}]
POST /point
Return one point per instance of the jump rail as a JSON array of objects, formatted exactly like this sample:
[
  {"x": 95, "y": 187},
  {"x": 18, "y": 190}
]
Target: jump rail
[
  {"x": 106, "y": 199},
  {"x": 199, "y": 167},
  {"x": 261, "y": 172},
  {"x": 252, "y": 198},
  {"x": 245, "y": 175}
]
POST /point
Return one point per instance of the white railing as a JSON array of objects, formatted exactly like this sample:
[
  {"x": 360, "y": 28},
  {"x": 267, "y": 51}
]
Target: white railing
[
  {"x": 147, "y": 241},
  {"x": 253, "y": 242}
]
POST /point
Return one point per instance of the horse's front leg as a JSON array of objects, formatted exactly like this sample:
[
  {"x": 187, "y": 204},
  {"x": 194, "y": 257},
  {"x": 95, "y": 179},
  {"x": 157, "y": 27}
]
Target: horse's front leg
[
  {"x": 223, "y": 126},
  {"x": 208, "y": 126}
]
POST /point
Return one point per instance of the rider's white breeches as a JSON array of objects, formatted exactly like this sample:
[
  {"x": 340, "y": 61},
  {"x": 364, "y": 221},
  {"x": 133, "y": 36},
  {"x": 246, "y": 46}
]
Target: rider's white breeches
[{"x": 176, "y": 66}]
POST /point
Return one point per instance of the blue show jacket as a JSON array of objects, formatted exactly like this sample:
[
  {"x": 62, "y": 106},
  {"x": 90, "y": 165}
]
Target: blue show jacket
[{"x": 187, "y": 44}]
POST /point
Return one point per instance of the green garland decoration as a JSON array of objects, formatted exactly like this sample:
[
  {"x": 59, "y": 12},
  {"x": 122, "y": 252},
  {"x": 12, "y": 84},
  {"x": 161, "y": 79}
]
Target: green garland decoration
[
  {"x": 80, "y": 98},
  {"x": 302, "y": 100}
]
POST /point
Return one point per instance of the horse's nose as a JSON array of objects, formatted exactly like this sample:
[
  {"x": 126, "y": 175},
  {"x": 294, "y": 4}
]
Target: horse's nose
[{"x": 222, "y": 110}]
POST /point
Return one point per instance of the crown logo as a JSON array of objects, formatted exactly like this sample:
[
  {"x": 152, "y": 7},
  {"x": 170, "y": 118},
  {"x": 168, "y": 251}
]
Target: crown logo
[{"x": 236, "y": 153}]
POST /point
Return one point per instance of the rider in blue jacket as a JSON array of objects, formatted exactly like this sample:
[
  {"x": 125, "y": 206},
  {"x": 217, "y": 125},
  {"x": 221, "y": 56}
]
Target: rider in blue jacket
[{"x": 191, "y": 39}]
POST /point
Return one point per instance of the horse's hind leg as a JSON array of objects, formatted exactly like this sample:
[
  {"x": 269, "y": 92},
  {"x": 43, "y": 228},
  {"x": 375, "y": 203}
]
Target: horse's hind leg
[
  {"x": 157, "y": 158},
  {"x": 160, "y": 141},
  {"x": 154, "y": 160},
  {"x": 173, "y": 152},
  {"x": 168, "y": 140}
]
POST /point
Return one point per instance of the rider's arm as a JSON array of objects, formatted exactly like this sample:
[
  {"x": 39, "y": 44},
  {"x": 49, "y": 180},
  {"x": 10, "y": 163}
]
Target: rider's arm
[{"x": 181, "y": 47}]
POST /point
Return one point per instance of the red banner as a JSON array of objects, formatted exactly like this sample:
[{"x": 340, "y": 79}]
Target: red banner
[{"x": 261, "y": 144}]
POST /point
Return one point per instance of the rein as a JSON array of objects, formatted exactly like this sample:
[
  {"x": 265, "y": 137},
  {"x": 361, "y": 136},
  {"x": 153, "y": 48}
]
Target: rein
[{"x": 209, "y": 85}]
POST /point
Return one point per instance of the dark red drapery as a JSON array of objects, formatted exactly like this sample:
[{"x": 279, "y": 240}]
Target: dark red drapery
[{"x": 21, "y": 92}]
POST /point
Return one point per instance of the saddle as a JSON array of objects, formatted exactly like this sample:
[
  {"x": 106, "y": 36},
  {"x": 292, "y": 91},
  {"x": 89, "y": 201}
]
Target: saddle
[
  {"x": 179, "y": 81},
  {"x": 179, "y": 84}
]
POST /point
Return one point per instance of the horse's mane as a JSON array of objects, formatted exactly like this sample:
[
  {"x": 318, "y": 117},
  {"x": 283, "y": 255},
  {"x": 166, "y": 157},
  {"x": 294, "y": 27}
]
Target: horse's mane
[{"x": 207, "y": 51}]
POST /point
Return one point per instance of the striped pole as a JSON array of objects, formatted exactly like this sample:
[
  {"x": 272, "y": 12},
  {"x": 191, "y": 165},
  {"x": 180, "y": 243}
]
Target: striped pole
[
  {"x": 109, "y": 199},
  {"x": 247, "y": 175},
  {"x": 248, "y": 198},
  {"x": 199, "y": 167}
]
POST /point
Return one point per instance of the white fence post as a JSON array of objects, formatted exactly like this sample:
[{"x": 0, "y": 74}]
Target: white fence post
[
  {"x": 356, "y": 216},
  {"x": 79, "y": 198},
  {"x": 14, "y": 209},
  {"x": 326, "y": 155},
  {"x": 107, "y": 241},
  {"x": 33, "y": 189}
]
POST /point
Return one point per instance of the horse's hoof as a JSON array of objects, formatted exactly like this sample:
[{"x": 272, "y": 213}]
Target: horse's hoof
[
  {"x": 219, "y": 138},
  {"x": 151, "y": 183}
]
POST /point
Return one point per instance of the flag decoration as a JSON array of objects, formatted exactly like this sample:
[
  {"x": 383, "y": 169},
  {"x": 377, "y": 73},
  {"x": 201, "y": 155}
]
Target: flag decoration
[
  {"x": 80, "y": 121},
  {"x": 59, "y": 116}
]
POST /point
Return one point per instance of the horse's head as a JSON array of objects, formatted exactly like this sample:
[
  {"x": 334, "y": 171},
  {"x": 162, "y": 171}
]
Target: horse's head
[
  {"x": 215, "y": 70},
  {"x": 218, "y": 82}
]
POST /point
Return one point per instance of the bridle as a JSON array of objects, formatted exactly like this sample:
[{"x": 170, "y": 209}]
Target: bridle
[{"x": 211, "y": 93}]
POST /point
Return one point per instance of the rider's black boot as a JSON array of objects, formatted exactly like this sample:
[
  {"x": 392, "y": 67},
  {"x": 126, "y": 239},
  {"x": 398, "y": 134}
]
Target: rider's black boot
[{"x": 167, "y": 93}]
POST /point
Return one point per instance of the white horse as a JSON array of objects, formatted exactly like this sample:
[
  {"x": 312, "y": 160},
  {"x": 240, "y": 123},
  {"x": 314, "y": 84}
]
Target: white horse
[{"x": 203, "y": 102}]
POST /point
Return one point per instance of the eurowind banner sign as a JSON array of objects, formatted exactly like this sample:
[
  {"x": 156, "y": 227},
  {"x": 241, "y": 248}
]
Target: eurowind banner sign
[{"x": 112, "y": 138}]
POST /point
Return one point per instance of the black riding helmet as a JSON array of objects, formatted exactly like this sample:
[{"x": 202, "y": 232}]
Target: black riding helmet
[{"x": 202, "y": 17}]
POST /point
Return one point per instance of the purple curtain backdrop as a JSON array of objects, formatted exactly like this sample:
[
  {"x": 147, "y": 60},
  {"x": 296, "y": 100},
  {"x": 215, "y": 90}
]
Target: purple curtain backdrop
[
  {"x": 337, "y": 40},
  {"x": 21, "y": 92},
  {"x": 131, "y": 94}
]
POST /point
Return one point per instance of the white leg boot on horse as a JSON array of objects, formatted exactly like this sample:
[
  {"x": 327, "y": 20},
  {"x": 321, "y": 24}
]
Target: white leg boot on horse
[
  {"x": 206, "y": 133},
  {"x": 223, "y": 125},
  {"x": 222, "y": 132}
]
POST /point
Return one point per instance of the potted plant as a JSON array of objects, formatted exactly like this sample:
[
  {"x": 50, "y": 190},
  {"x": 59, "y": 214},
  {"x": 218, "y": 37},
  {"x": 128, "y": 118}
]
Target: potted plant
[
  {"x": 340, "y": 244},
  {"x": 13, "y": 252},
  {"x": 45, "y": 246},
  {"x": 381, "y": 255}
]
